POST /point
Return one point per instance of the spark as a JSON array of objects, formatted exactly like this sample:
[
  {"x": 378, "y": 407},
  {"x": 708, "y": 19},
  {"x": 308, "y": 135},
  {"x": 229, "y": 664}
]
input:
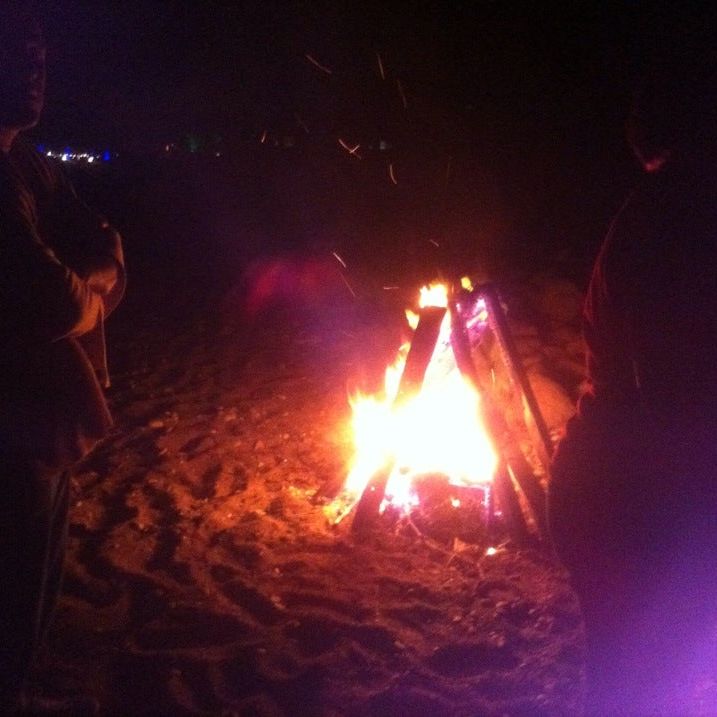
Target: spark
[
  {"x": 301, "y": 123},
  {"x": 351, "y": 150},
  {"x": 316, "y": 63},
  {"x": 348, "y": 286},
  {"x": 339, "y": 259},
  {"x": 262, "y": 139},
  {"x": 391, "y": 288},
  {"x": 402, "y": 94},
  {"x": 380, "y": 66},
  {"x": 491, "y": 551},
  {"x": 434, "y": 242},
  {"x": 391, "y": 173}
]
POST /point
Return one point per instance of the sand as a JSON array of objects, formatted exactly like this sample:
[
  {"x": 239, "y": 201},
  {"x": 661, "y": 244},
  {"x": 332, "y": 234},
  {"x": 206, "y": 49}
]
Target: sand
[{"x": 202, "y": 575}]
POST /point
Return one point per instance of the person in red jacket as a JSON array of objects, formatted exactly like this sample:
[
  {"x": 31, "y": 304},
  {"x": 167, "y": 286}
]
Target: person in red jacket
[
  {"x": 633, "y": 496},
  {"x": 61, "y": 275}
]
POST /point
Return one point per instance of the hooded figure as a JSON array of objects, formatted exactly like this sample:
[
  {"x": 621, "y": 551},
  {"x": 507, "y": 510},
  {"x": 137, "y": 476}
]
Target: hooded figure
[
  {"x": 61, "y": 275},
  {"x": 633, "y": 498}
]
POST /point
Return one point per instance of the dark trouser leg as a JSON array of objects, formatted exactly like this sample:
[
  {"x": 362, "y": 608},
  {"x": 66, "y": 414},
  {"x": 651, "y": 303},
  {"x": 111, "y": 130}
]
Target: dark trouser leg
[
  {"x": 632, "y": 513},
  {"x": 33, "y": 535},
  {"x": 58, "y": 496}
]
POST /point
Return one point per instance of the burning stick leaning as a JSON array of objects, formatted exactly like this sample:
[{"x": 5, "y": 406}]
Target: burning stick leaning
[
  {"x": 525, "y": 484},
  {"x": 514, "y": 494},
  {"x": 414, "y": 371},
  {"x": 499, "y": 324}
]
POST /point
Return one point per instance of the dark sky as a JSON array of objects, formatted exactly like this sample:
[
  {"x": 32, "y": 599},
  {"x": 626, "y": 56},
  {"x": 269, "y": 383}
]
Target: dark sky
[
  {"x": 534, "y": 93},
  {"x": 134, "y": 72}
]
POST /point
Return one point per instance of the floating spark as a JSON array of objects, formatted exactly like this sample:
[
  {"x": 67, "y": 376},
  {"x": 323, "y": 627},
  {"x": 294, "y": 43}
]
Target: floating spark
[
  {"x": 380, "y": 66},
  {"x": 348, "y": 286},
  {"x": 351, "y": 150},
  {"x": 301, "y": 123},
  {"x": 392, "y": 174},
  {"x": 264, "y": 134},
  {"x": 434, "y": 242},
  {"x": 402, "y": 94},
  {"x": 339, "y": 259},
  {"x": 316, "y": 63}
]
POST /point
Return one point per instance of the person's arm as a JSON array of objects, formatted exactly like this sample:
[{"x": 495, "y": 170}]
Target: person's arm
[
  {"x": 40, "y": 297},
  {"x": 85, "y": 242},
  {"x": 609, "y": 313},
  {"x": 100, "y": 261}
]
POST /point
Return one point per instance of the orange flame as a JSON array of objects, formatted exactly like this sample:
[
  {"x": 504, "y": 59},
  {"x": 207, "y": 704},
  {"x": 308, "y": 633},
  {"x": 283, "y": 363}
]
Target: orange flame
[
  {"x": 437, "y": 431},
  {"x": 433, "y": 295}
]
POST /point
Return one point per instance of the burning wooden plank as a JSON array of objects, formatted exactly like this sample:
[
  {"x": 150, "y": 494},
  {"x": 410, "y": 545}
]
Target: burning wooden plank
[{"x": 419, "y": 357}]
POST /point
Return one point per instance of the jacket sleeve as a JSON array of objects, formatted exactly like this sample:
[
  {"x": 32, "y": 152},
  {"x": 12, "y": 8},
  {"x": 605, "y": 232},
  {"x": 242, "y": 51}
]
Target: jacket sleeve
[
  {"x": 608, "y": 316},
  {"x": 40, "y": 296},
  {"x": 85, "y": 242}
]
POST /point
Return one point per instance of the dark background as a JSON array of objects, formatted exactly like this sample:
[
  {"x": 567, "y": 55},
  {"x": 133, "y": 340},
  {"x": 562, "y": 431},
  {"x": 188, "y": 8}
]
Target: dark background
[
  {"x": 509, "y": 146},
  {"x": 136, "y": 72}
]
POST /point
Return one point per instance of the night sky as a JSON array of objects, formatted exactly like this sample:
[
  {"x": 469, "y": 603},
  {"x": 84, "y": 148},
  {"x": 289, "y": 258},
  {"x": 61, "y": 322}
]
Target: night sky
[
  {"x": 536, "y": 93},
  {"x": 139, "y": 72}
]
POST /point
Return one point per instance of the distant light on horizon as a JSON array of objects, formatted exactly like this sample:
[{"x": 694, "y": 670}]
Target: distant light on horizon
[{"x": 68, "y": 155}]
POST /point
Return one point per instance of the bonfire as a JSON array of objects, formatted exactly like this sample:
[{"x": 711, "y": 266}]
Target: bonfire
[{"x": 440, "y": 417}]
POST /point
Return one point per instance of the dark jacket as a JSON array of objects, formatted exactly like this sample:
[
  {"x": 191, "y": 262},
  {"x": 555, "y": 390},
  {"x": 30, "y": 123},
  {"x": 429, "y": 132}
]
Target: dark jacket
[
  {"x": 61, "y": 274},
  {"x": 637, "y": 465}
]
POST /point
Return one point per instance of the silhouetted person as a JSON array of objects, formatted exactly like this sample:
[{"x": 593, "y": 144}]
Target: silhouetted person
[
  {"x": 61, "y": 273},
  {"x": 633, "y": 500}
]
